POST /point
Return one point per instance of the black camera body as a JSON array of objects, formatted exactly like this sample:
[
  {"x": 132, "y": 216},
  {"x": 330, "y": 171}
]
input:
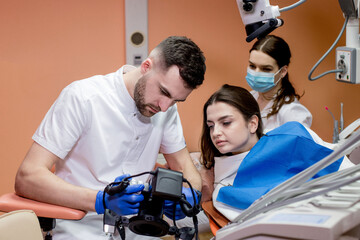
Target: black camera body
[{"x": 164, "y": 185}]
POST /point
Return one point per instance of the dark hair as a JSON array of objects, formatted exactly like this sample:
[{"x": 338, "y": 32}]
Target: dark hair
[
  {"x": 279, "y": 50},
  {"x": 187, "y": 56},
  {"x": 242, "y": 100}
]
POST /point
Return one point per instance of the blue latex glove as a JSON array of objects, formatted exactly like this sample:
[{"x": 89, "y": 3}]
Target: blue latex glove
[
  {"x": 179, "y": 214},
  {"x": 124, "y": 203}
]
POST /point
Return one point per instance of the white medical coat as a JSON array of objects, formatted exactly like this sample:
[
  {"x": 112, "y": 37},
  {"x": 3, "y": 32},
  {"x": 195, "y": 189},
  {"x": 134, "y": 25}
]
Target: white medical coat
[{"x": 294, "y": 111}]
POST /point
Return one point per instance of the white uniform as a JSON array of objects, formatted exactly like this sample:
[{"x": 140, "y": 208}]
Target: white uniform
[
  {"x": 97, "y": 131},
  {"x": 294, "y": 111},
  {"x": 226, "y": 167}
]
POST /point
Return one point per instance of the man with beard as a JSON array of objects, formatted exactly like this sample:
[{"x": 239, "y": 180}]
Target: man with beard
[{"x": 104, "y": 127}]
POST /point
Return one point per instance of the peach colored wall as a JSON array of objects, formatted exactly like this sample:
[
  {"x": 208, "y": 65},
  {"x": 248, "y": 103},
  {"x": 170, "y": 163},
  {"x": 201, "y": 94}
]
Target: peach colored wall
[{"x": 45, "y": 45}]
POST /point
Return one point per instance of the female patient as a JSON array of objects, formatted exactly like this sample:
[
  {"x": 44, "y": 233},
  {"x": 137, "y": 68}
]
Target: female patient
[
  {"x": 231, "y": 127},
  {"x": 232, "y": 141},
  {"x": 268, "y": 76}
]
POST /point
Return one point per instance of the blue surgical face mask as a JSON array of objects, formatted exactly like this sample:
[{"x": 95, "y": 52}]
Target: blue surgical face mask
[{"x": 261, "y": 81}]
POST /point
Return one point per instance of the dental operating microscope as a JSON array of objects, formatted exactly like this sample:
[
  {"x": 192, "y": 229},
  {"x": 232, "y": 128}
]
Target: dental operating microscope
[{"x": 259, "y": 18}]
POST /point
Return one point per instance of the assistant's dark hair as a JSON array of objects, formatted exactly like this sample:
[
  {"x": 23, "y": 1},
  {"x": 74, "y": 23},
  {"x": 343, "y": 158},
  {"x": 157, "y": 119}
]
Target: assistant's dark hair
[
  {"x": 242, "y": 100},
  {"x": 278, "y": 49},
  {"x": 187, "y": 56}
]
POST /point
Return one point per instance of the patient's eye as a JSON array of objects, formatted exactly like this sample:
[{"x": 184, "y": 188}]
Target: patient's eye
[{"x": 226, "y": 123}]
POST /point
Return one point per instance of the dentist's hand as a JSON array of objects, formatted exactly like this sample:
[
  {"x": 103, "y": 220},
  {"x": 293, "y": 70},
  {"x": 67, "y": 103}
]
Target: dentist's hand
[
  {"x": 179, "y": 213},
  {"x": 126, "y": 202}
]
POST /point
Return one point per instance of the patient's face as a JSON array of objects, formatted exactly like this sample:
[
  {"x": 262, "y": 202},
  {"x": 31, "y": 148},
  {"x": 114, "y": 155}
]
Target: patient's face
[{"x": 229, "y": 131}]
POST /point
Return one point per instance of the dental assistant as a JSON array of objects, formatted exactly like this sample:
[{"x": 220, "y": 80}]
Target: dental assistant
[{"x": 268, "y": 76}]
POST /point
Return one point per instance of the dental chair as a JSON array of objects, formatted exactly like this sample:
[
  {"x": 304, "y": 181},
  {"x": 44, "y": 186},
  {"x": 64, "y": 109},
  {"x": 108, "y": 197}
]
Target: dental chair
[
  {"x": 46, "y": 213},
  {"x": 21, "y": 224}
]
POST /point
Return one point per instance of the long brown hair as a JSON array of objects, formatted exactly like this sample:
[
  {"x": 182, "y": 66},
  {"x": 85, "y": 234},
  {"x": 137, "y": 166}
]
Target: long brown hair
[
  {"x": 243, "y": 101},
  {"x": 279, "y": 50}
]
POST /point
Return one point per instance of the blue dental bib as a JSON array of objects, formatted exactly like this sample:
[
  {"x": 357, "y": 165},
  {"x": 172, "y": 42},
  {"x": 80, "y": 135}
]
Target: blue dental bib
[{"x": 276, "y": 157}]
